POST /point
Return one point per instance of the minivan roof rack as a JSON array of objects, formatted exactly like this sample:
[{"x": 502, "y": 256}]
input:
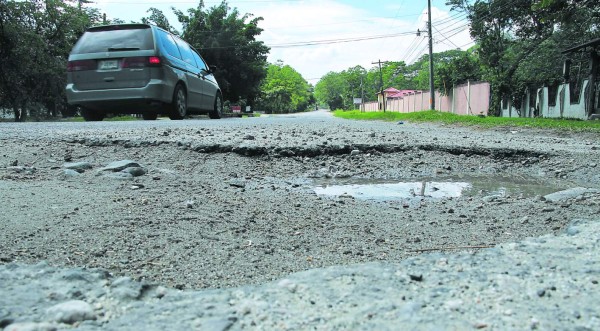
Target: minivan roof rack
[{"x": 112, "y": 27}]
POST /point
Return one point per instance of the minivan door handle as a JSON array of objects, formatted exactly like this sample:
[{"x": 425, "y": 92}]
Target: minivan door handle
[{"x": 109, "y": 79}]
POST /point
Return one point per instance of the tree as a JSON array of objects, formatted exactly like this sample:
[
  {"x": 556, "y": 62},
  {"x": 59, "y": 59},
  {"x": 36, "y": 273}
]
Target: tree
[
  {"x": 227, "y": 40},
  {"x": 35, "y": 39},
  {"x": 158, "y": 18},
  {"x": 455, "y": 67},
  {"x": 355, "y": 79},
  {"x": 284, "y": 90},
  {"x": 331, "y": 89}
]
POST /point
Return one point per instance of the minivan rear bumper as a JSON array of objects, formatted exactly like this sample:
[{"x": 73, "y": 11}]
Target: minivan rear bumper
[{"x": 130, "y": 100}]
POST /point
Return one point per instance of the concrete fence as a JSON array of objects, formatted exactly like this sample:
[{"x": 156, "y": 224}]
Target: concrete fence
[
  {"x": 466, "y": 99},
  {"x": 552, "y": 102}
]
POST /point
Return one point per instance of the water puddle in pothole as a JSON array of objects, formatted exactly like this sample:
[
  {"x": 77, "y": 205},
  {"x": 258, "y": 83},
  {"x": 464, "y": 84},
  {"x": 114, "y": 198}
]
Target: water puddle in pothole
[{"x": 436, "y": 188}]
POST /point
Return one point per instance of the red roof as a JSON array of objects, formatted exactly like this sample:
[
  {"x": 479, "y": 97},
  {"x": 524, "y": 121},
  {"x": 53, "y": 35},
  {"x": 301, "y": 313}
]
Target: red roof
[{"x": 400, "y": 93}]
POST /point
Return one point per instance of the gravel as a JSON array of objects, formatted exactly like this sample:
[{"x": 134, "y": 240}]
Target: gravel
[{"x": 216, "y": 225}]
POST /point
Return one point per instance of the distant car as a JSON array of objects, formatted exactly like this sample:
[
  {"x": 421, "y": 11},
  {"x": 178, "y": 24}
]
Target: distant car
[{"x": 139, "y": 69}]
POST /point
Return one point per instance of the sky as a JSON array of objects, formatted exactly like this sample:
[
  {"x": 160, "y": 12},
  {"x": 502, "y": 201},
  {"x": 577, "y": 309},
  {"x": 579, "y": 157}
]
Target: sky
[{"x": 333, "y": 35}]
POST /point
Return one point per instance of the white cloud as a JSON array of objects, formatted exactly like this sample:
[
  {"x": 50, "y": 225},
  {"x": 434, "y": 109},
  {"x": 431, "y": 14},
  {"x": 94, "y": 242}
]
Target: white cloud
[{"x": 313, "y": 20}]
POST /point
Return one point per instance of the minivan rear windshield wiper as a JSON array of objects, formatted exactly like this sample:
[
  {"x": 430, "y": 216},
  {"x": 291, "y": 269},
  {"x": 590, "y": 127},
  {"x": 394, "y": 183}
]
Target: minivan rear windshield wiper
[{"x": 114, "y": 49}]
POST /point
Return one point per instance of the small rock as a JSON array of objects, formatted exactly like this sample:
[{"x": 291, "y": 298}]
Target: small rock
[
  {"x": 71, "y": 312},
  {"x": 78, "y": 166},
  {"x": 121, "y": 165},
  {"x": 70, "y": 173},
  {"x": 354, "y": 152},
  {"x": 288, "y": 285},
  {"x": 416, "y": 278},
  {"x": 237, "y": 183},
  {"x": 126, "y": 288},
  {"x": 454, "y": 304},
  {"x": 480, "y": 325},
  {"x": 135, "y": 171},
  {"x": 160, "y": 292},
  {"x": 249, "y": 137},
  {"x": 346, "y": 195}
]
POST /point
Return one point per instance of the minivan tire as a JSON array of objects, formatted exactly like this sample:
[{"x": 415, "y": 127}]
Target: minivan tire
[
  {"x": 179, "y": 105},
  {"x": 217, "y": 111},
  {"x": 91, "y": 115}
]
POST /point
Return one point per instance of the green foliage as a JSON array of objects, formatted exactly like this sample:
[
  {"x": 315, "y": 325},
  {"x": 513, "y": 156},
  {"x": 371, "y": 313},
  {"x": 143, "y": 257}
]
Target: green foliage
[
  {"x": 36, "y": 37},
  {"x": 331, "y": 89},
  {"x": 227, "y": 40},
  {"x": 284, "y": 90},
  {"x": 158, "y": 18},
  {"x": 456, "y": 67},
  {"x": 432, "y": 116}
]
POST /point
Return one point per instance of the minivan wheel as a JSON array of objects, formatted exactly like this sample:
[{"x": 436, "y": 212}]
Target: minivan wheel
[
  {"x": 218, "y": 108},
  {"x": 91, "y": 116},
  {"x": 179, "y": 105},
  {"x": 151, "y": 116}
]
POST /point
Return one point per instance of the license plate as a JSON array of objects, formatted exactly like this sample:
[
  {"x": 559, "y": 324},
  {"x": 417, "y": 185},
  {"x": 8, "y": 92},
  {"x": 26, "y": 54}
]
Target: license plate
[{"x": 108, "y": 65}]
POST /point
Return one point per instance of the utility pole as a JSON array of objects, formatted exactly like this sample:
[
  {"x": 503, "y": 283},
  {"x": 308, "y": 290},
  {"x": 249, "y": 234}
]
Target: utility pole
[
  {"x": 431, "y": 87},
  {"x": 381, "y": 82}
]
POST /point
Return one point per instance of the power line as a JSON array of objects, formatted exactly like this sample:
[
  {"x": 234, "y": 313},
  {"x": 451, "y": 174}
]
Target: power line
[
  {"x": 447, "y": 38},
  {"x": 412, "y": 50},
  {"x": 419, "y": 53},
  {"x": 337, "y": 41},
  {"x": 410, "y": 47}
]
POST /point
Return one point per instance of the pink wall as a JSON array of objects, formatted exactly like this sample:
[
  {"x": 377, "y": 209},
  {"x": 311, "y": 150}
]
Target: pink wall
[{"x": 466, "y": 99}]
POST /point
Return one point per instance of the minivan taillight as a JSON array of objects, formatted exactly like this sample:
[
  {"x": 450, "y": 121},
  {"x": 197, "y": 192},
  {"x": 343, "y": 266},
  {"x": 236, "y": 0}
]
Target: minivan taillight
[
  {"x": 140, "y": 62},
  {"x": 154, "y": 61},
  {"x": 81, "y": 65}
]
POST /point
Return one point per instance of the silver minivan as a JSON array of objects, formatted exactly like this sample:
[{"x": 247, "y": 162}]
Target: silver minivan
[{"x": 139, "y": 69}]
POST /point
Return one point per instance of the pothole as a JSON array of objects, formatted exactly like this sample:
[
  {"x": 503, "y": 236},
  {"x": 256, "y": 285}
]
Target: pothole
[{"x": 435, "y": 188}]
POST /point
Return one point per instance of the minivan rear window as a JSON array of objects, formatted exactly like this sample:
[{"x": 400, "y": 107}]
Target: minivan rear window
[{"x": 96, "y": 40}]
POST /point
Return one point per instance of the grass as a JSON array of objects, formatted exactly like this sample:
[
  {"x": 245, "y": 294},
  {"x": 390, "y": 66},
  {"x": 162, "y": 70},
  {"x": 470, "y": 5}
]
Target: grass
[{"x": 469, "y": 120}]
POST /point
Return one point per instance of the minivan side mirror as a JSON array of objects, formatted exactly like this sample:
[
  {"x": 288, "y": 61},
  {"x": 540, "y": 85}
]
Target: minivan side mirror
[{"x": 212, "y": 69}]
